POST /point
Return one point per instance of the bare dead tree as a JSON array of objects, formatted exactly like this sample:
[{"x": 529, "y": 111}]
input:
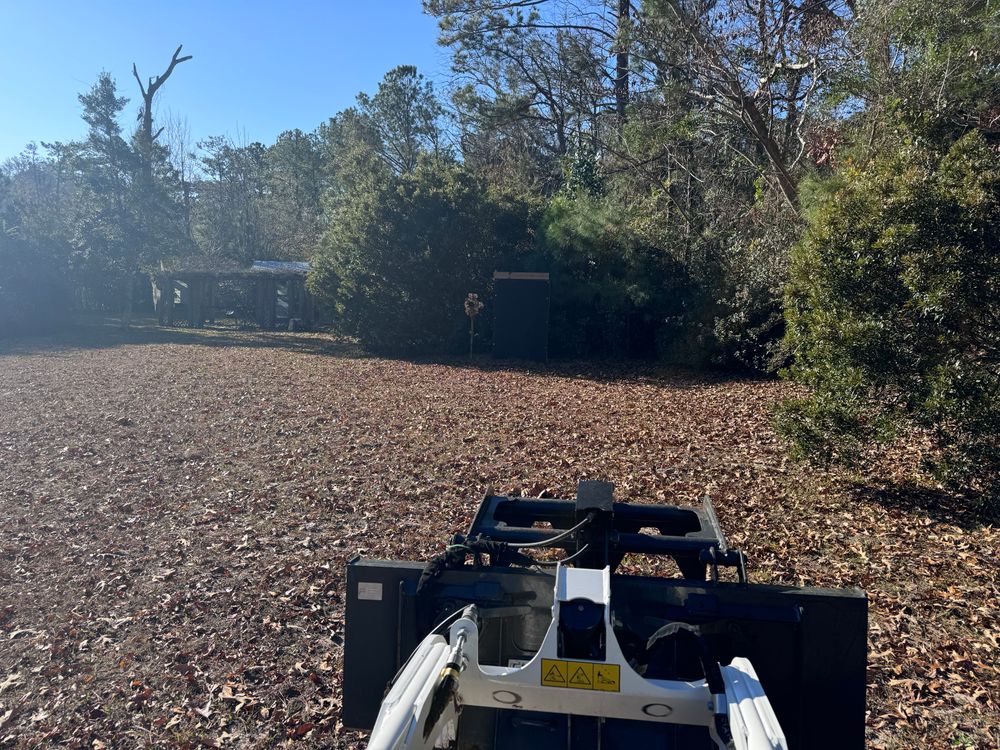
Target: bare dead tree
[
  {"x": 144, "y": 139},
  {"x": 146, "y": 136}
]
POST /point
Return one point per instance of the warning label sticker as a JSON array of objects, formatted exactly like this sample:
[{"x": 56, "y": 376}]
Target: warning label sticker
[
  {"x": 582, "y": 675},
  {"x": 554, "y": 672},
  {"x": 607, "y": 677}
]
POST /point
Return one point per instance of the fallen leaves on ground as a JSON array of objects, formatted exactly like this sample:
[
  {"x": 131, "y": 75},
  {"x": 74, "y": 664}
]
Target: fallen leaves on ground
[{"x": 177, "y": 508}]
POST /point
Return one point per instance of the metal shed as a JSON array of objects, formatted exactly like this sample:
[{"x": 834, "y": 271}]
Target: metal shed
[{"x": 521, "y": 315}]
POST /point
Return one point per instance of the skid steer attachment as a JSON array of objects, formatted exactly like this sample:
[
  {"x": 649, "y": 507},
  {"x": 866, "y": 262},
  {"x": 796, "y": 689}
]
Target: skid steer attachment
[{"x": 487, "y": 647}]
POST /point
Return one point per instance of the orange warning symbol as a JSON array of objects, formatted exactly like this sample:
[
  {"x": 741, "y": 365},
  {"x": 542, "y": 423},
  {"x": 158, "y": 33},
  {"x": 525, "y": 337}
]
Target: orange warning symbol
[{"x": 554, "y": 672}]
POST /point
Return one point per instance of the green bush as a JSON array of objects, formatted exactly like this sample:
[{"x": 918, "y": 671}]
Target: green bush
[
  {"x": 401, "y": 255},
  {"x": 749, "y": 324},
  {"x": 613, "y": 295},
  {"x": 893, "y": 311}
]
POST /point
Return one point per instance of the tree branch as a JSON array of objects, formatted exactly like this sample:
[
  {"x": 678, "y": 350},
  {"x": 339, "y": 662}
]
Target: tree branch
[
  {"x": 138, "y": 80},
  {"x": 159, "y": 80}
]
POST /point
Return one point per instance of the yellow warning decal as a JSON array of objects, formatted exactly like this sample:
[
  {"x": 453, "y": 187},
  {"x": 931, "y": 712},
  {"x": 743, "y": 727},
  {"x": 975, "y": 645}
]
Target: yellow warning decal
[
  {"x": 582, "y": 675},
  {"x": 554, "y": 672},
  {"x": 607, "y": 677}
]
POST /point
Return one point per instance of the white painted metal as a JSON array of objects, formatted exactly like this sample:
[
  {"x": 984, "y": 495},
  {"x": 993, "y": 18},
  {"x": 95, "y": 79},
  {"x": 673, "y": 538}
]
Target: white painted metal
[
  {"x": 668, "y": 701},
  {"x": 751, "y": 717},
  {"x": 583, "y": 583},
  {"x": 404, "y": 710},
  {"x": 520, "y": 688}
]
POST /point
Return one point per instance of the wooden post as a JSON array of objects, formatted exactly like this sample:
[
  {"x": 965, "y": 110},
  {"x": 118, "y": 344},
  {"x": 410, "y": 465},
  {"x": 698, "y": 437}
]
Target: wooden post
[
  {"x": 210, "y": 299},
  {"x": 294, "y": 299},
  {"x": 196, "y": 302},
  {"x": 264, "y": 293},
  {"x": 271, "y": 301},
  {"x": 192, "y": 301},
  {"x": 308, "y": 314},
  {"x": 160, "y": 300},
  {"x": 301, "y": 301},
  {"x": 170, "y": 291},
  {"x": 258, "y": 307}
]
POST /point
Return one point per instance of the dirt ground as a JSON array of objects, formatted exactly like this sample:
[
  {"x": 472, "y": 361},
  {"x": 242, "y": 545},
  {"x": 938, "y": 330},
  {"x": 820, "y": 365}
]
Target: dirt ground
[{"x": 176, "y": 510}]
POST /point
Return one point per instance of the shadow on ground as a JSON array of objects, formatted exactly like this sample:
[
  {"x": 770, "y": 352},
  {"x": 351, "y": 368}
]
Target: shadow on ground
[
  {"x": 107, "y": 333},
  {"x": 636, "y": 372},
  {"x": 968, "y": 511}
]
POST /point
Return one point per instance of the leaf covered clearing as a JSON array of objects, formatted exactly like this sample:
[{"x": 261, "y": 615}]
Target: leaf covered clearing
[{"x": 177, "y": 508}]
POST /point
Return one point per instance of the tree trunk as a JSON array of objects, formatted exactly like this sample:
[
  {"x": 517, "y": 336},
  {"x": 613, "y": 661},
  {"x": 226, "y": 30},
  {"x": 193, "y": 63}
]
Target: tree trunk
[
  {"x": 760, "y": 131},
  {"x": 621, "y": 60}
]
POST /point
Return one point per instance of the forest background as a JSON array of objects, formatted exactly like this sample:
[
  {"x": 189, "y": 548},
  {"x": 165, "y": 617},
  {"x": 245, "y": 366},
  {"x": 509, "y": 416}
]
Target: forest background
[{"x": 808, "y": 187}]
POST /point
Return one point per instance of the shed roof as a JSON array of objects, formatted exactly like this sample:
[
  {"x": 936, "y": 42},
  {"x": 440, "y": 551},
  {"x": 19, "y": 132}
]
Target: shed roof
[
  {"x": 280, "y": 265},
  {"x": 228, "y": 271}
]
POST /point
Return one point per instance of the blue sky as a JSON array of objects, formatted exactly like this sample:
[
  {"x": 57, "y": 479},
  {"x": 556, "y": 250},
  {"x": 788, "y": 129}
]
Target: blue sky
[{"x": 259, "y": 67}]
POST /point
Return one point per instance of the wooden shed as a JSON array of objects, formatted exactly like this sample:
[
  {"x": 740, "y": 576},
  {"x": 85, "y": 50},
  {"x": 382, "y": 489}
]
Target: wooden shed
[{"x": 278, "y": 290}]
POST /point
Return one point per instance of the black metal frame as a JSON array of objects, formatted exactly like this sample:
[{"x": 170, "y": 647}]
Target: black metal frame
[
  {"x": 808, "y": 645},
  {"x": 692, "y": 536}
]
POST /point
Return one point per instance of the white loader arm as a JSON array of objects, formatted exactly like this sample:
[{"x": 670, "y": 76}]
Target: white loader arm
[{"x": 404, "y": 711}]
